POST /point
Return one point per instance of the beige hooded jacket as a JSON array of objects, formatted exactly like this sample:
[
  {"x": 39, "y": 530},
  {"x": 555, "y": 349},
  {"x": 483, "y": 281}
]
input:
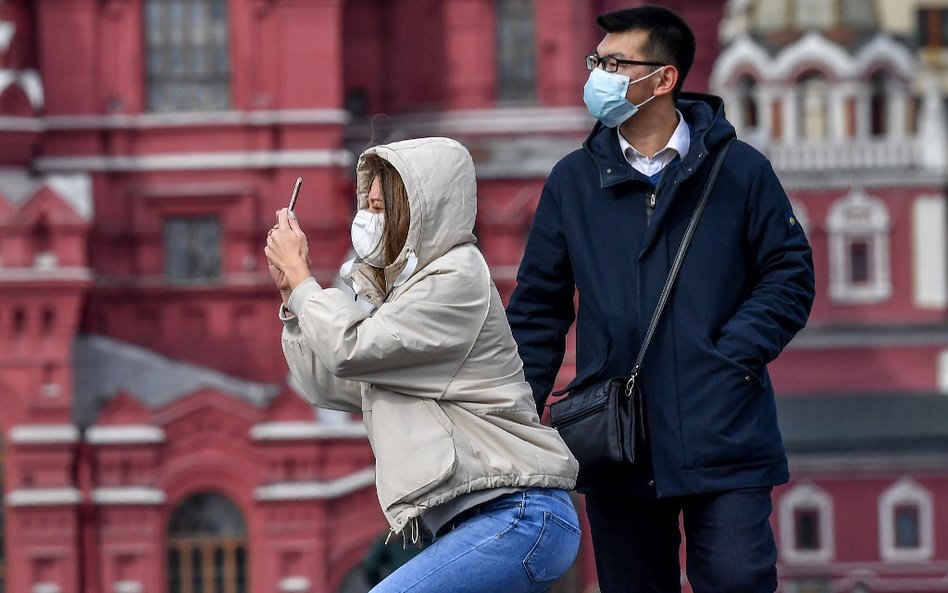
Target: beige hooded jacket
[{"x": 433, "y": 368}]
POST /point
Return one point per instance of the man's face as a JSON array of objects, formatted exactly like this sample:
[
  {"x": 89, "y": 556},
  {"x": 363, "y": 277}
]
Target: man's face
[{"x": 628, "y": 46}]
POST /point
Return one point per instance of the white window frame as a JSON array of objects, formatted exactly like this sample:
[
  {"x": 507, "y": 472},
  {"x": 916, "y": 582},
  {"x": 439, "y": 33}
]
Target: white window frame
[
  {"x": 806, "y": 496},
  {"x": 906, "y": 492},
  {"x": 859, "y": 216}
]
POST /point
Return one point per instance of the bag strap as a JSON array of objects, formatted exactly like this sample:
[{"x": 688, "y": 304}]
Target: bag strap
[{"x": 676, "y": 265}]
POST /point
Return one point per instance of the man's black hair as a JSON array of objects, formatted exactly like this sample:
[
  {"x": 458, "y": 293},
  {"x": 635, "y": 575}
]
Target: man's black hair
[{"x": 670, "y": 39}]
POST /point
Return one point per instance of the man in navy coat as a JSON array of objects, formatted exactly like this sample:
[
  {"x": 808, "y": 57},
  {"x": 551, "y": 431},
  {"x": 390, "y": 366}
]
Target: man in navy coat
[{"x": 608, "y": 225}]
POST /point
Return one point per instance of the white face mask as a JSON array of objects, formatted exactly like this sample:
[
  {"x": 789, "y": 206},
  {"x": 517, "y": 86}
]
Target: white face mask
[
  {"x": 604, "y": 95},
  {"x": 367, "y": 237}
]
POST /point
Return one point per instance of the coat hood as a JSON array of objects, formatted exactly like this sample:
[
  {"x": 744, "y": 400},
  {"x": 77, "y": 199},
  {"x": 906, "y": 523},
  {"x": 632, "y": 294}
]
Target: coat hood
[
  {"x": 442, "y": 195},
  {"x": 704, "y": 115}
]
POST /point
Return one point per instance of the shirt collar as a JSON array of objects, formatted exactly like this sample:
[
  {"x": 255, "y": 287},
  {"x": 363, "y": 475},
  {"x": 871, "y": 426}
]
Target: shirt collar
[{"x": 679, "y": 143}]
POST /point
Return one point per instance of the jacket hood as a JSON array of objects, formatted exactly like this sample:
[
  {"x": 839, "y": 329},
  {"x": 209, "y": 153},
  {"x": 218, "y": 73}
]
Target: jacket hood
[
  {"x": 442, "y": 195},
  {"x": 703, "y": 113}
]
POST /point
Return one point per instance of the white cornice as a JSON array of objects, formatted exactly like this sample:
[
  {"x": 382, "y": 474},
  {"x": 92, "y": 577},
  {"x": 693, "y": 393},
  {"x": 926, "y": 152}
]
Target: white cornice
[
  {"x": 32, "y": 497},
  {"x": 199, "y": 119},
  {"x": 298, "y": 431},
  {"x": 45, "y": 274},
  {"x": 317, "y": 490},
  {"x": 44, "y": 434},
  {"x": 506, "y": 121},
  {"x": 130, "y": 495},
  {"x": 126, "y": 434},
  {"x": 197, "y": 161}
]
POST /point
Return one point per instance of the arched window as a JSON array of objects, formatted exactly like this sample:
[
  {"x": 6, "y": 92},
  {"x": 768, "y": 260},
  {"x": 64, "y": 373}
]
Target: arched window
[
  {"x": 188, "y": 56},
  {"x": 207, "y": 546},
  {"x": 747, "y": 102},
  {"x": 905, "y": 523},
  {"x": 516, "y": 57},
  {"x": 879, "y": 104},
  {"x": 806, "y": 524},
  {"x": 812, "y": 93},
  {"x": 858, "y": 229}
]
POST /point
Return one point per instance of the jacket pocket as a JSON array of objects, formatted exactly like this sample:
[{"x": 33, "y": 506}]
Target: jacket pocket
[
  {"x": 729, "y": 416},
  {"x": 413, "y": 445}
]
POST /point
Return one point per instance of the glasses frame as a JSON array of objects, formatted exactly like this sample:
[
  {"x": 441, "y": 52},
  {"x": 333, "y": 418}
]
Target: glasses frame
[{"x": 594, "y": 61}]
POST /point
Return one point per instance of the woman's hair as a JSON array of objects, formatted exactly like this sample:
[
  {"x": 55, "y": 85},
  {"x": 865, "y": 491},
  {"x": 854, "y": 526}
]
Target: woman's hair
[{"x": 397, "y": 216}]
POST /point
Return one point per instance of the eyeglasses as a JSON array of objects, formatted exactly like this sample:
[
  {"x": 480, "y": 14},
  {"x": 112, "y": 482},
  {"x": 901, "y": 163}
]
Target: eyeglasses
[{"x": 612, "y": 63}]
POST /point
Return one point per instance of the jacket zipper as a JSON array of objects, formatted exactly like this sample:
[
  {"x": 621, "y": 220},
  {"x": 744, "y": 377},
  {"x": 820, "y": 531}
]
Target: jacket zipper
[
  {"x": 580, "y": 414},
  {"x": 652, "y": 198}
]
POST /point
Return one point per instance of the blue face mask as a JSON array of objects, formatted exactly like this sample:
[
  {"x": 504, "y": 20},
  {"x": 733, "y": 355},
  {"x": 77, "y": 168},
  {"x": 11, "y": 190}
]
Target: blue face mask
[{"x": 604, "y": 95}]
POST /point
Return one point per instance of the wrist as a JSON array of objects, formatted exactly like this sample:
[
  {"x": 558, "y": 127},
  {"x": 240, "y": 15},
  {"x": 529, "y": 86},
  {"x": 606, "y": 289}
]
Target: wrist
[{"x": 295, "y": 276}]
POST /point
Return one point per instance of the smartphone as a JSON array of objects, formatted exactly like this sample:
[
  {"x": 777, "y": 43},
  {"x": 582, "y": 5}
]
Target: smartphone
[{"x": 296, "y": 193}]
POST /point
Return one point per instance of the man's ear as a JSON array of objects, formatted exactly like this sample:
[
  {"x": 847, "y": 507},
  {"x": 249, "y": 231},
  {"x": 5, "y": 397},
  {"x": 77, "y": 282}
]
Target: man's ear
[{"x": 667, "y": 79}]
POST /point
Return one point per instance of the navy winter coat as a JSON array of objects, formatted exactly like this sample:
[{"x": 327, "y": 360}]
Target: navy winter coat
[{"x": 745, "y": 288}]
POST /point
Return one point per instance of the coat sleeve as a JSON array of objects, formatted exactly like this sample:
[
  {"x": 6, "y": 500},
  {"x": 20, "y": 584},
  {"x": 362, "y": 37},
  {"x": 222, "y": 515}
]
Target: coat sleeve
[
  {"x": 321, "y": 388},
  {"x": 541, "y": 310},
  {"x": 413, "y": 344},
  {"x": 779, "y": 301}
]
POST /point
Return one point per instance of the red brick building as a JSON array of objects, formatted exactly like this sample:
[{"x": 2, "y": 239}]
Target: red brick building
[{"x": 150, "y": 439}]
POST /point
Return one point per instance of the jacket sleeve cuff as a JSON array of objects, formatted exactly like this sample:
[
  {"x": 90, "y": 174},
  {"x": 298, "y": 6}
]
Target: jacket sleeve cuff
[{"x": 303, "y": 291}]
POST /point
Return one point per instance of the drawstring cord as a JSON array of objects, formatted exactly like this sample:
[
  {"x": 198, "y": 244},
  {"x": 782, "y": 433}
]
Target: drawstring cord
[{"x": 414, "y": 533}]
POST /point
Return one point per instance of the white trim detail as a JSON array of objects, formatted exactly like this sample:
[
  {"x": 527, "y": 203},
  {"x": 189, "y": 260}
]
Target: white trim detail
[
  {"x": 858, "y": 216},
  {"x": 910, "y": 493},
  {"x": 930, "y": 273},
  {"x": 127, "y": 587},
  {"x": 316, "y": 490},
  {"x": 200, "y": 119},
  {"x": 943, "y": 372},
  {"x": 7, "y": 30},
  {"x": 28, "y": 80},
  {"x": 806, "y": 496},
  {"x": 42, "y": 497},
  {"x": 43, "y": 434},
  {"x": 191, "y": 161},
  {"x": 46, "y": 588},
  {"x": 125, "y": 434},
  {"x": 294, "y": 585},
  {"x": 297, "y": 431},
  {"x": 128, "y": 495}
]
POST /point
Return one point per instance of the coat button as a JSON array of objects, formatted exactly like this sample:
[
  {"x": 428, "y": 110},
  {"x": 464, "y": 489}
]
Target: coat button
[
  {"x": 747, "y": 378},
  {"x": 651, "y": 483},
  {"x": 608, "y": 170}
]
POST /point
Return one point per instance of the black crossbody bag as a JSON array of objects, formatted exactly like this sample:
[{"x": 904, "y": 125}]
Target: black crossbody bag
[{"x": 603, "y": 423}]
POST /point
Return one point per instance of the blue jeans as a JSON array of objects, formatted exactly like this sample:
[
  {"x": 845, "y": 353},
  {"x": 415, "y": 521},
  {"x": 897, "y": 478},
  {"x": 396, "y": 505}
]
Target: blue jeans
[{"x": 518, "y": 542}]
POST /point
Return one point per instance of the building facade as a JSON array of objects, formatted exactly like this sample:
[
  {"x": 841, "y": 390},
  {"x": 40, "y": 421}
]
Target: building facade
[
  {"x": 151, "y": 438},
  {"x": 847, "y": 99}
]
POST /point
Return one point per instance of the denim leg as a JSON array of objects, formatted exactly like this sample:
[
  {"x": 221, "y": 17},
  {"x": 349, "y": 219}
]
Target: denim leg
[{"x": 518, "y": 543}]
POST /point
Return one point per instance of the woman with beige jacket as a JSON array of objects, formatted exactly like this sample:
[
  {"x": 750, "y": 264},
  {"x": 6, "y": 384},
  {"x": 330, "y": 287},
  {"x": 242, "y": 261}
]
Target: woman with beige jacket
[{"x": 424, "y": 352}]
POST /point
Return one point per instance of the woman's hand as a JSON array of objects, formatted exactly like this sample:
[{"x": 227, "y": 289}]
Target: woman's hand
[{"x": 287, "y": 252}]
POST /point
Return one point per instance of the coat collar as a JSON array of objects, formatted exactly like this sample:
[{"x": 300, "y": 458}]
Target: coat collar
[{"x": 704, "y": 114}]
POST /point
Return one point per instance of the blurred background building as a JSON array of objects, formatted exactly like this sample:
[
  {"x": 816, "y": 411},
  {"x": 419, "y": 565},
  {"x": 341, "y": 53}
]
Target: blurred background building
[{"x": 151, "y": 441}]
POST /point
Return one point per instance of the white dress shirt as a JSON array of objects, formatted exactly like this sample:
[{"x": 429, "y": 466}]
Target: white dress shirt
[{"x": 678, "y": 145}]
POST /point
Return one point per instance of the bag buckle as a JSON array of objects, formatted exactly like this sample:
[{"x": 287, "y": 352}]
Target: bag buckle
[{"x": 630, "y": 385}]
